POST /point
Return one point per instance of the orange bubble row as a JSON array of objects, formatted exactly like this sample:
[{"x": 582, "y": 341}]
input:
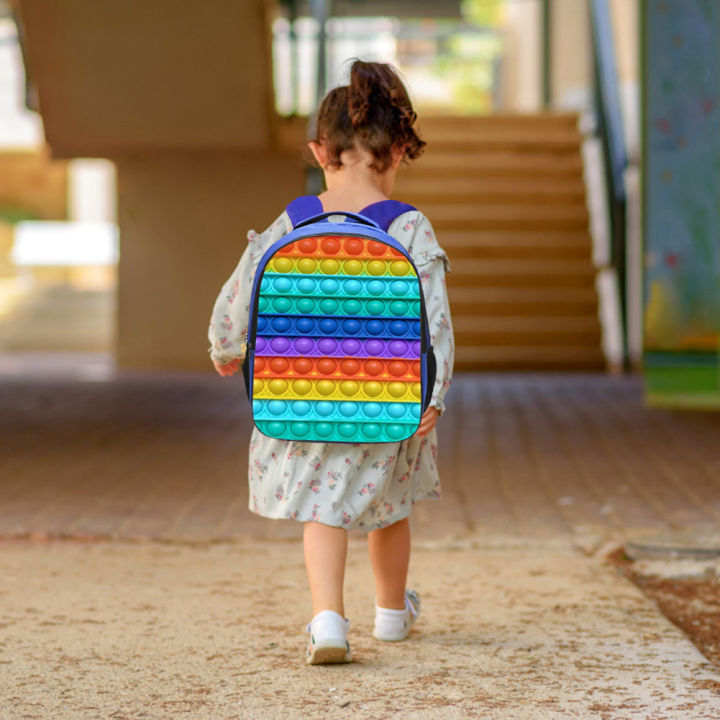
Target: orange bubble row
[
  {"x": 337, "y": 368},
  {"x": 342, "y": 247}
]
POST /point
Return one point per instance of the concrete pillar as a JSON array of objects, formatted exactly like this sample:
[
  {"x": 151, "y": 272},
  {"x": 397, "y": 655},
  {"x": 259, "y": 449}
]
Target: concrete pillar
[
  {"x": 521, "y": 69},
  {"x": 571, "y": 58},
  {"x": 183, "y": 219},
  {"x": 627, "y": 52}
]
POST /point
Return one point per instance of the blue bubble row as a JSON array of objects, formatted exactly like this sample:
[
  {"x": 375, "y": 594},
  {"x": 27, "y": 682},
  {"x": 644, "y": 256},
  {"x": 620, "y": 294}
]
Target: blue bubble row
[
  {"x": 319, "y": 327},
  {"x": 340, "y": 286},
  {"x": 329, "y": 410}
]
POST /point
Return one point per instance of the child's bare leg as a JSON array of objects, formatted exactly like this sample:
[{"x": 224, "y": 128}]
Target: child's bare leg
[
  {"x": 325, "y": 553},
  {"x": 389, "y": 550}
]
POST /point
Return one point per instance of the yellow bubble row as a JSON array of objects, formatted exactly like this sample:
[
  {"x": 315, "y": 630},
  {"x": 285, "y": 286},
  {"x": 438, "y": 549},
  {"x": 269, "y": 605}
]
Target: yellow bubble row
[
  {"x": 331, "y": 266},
  {"x": 303, "y": 389}
]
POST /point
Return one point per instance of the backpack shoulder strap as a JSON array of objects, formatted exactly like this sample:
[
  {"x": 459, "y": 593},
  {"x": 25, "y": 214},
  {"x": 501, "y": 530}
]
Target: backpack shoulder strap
[
  {"x": 385, "y": 211},
  {"x": 304, "y": 207}
]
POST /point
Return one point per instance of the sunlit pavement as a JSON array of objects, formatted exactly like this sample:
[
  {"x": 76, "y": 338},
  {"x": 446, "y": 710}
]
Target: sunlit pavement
[{"x": 160, "y": 631}]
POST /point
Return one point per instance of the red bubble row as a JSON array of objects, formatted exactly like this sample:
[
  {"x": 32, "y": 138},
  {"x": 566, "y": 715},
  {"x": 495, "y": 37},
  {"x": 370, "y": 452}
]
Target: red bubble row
[
  {"x": 337, "y": 368},
  {"x": 331, "y": 246}
]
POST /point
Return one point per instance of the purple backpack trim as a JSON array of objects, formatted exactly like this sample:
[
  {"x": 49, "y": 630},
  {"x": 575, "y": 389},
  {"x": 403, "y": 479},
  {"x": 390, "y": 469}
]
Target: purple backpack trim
[{"x": 382, "y": 212}]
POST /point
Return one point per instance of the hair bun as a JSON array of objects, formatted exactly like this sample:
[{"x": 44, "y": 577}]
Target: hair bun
[
  {"x": 366, "y": 84},
  {"x": 374, "y": 111}
]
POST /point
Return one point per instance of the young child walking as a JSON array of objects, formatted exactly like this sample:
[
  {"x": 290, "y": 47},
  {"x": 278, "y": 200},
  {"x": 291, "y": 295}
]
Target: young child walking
[{"x": 364, "y": 130}]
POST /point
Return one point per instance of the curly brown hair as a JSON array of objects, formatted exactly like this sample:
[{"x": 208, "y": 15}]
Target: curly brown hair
[{"x": 373, "y": 111}]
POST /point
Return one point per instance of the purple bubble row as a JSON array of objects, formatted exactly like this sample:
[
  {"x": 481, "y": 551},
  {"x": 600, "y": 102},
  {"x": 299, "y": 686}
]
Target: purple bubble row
[{"x": 330, "y": 347}]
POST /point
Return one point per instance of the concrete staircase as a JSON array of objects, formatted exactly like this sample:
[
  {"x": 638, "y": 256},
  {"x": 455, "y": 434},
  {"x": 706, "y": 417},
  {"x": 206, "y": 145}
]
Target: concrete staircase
[
  {"x": 58, "y": 318},
  {"x": 506, "y": 196}
]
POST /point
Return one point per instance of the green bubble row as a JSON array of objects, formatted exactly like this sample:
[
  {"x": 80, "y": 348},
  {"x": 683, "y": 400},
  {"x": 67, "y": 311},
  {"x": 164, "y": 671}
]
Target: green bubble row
[{"x": 331, "y": 306}]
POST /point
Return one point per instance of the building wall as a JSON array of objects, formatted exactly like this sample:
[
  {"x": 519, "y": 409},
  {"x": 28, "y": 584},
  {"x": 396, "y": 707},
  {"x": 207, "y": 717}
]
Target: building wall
[
  {"x": 681, "y": 208},
  {"x": 179, "y": 97},
  {"x": 116, "y": 77},
  {"x": 183, "y": 221}
]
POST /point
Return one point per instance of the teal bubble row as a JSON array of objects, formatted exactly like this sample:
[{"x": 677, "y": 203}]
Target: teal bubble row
[
  {"x": 331, "y": 306},
  {"x": 339, "y": 286},
  {"x": 328, "y": 431},
  {"x": 333, "y": 410}
]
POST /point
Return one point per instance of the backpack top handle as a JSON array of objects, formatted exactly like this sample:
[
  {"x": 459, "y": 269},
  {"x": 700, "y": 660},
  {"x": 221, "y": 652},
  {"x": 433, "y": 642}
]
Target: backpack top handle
[
  {"x": 352, "y": 216},
  {"x": 383, "y": 212}
]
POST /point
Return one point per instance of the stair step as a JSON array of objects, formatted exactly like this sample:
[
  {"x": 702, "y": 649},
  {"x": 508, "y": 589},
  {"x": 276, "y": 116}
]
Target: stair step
[
  {"x": 500, "y": 251},
  {"x": 541, "y": 218},
  {"x": 529, "y": 295},
  {"x": 522, "y": 273},
  {"x": 497, "y": 244},
  {"x": 506, "y": 222},
  {"x": 530, "y": 197},
  {"x": 519, "y": 121},
  {"x": 506, "y": 196},
  {"x": 495, "y": 164},
  {"x": 538, "y": 339},
  {"x": 439, "y": 211},
  {"x": 458, "y": 239},
  {"x": 477, "y": 140},
  {"x": 518, "y": 325},
  {"x": 519, "y": 309},
  {"x": 477, "y": 301},
  {"x": 419, "y": 190},
  {"x": 531, "y": 357}
]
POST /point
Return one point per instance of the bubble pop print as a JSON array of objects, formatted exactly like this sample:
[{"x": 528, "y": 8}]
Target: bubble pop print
[{"x": 338, "y": 344}]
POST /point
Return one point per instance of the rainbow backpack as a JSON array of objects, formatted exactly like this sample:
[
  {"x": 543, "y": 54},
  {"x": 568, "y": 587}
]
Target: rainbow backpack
[{"x": 338, "y": 346}]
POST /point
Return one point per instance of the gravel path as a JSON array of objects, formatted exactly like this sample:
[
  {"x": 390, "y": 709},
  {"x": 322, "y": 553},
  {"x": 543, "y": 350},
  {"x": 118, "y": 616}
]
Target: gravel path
[{"x": 145, "y": 631}]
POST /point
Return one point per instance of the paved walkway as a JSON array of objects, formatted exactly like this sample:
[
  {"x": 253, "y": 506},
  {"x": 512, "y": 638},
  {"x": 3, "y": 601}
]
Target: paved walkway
[
  {"x": 164, "y": 457},
  {"x": 153, "y": 631},
  {"x": 523, "y": 619}
]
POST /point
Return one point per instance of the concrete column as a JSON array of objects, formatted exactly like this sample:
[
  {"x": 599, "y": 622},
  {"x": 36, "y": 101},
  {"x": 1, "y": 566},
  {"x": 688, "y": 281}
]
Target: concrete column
[
  {"x": 521, "y": 70},
  {"x": 183, "y": 219},
  {"x": 571, "y": 63},
  {"x": 627, "y": 51}
]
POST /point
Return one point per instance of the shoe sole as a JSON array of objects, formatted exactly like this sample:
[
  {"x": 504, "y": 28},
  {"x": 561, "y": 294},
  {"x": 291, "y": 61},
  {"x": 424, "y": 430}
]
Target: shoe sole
[
  {"x": 396, "y": 638},
  {"x": 328, "y": 655}
]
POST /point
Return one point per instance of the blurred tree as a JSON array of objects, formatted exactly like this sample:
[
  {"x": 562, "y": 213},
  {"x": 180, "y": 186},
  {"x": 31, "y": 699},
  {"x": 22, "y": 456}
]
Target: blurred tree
[
  {"x": 485, "y": 13},
  {"x": 469, "y": 56}
]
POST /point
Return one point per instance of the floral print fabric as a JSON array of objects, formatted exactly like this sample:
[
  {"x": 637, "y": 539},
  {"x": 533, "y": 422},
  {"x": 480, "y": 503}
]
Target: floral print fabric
[{"x": 341, "y": 484}]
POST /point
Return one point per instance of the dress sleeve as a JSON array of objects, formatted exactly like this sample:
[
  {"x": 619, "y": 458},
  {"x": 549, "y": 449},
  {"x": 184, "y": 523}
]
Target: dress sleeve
[
  {"x": 433, "y": 264},
  {"x": 229, "y": 319}
]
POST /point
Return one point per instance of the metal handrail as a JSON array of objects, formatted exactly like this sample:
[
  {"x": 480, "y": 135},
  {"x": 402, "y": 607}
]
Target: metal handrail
[{"x": 612, "y": 136}]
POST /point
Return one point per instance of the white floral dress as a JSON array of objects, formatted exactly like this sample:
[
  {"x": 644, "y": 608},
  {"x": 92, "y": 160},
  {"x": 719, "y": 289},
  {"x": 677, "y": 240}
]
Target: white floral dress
[{"x": 341, "y": 484}]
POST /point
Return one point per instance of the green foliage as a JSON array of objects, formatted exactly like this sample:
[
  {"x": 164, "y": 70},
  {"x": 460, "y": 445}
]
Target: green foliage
[
  {"x": 469, "y": 67},
  {"x": 13, "y": 215},
  {"x": 485, "y": 13},
  {"x": 467, "y": 58}
]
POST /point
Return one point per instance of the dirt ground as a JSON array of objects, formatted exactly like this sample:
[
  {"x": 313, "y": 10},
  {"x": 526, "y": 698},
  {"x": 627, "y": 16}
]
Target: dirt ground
[
  {"x": 693, "y": 604},
  {"x": 153, "y": 631}
]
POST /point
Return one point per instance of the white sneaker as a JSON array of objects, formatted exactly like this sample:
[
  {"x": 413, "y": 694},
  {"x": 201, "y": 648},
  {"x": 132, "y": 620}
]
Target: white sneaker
[
  {"x": 394, "y": 625},
  {"x": 328, "y": 639}
]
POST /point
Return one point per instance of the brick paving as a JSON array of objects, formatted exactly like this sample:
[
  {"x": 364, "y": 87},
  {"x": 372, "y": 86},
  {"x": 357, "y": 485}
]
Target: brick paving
[{"x": 163, "y": 457}]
